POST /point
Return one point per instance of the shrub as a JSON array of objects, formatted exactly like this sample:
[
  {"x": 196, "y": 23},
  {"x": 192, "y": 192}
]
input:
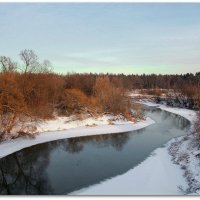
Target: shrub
[
  {"x": 12, "y": 105},
  {"x": 74, "y": 101},
  {"x": 110, "y": 98}
]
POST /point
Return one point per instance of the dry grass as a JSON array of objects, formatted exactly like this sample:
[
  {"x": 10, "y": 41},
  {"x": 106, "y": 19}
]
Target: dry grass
[{"x": 91, "y": 125}]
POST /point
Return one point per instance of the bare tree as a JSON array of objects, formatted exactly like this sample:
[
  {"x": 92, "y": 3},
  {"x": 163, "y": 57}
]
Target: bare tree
[
  {"x": 46, "y": 67},
  {"x": 30, "y": 60},
  {"x": 32, "y": 64},
  {"x": 7, "y": 65}
]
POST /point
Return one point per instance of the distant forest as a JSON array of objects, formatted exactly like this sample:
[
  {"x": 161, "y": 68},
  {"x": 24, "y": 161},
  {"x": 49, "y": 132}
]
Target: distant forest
[
  {"x": 35, "y": 91},
  {"x": 130, "y": 82}
]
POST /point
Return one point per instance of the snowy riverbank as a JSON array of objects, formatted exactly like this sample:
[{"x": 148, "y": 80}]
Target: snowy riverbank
[
  {"x": 158, "y": 174},
  {"x": 186, "y": 113},
  {"x": 185, "y": 150},
  {"x": 60, "y": 129}
]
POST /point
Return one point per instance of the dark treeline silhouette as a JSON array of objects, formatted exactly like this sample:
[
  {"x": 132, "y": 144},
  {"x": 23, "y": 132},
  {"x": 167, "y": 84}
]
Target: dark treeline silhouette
[
  {"x": 144, "y": 81},
  {"x": 32, "y": 90}
]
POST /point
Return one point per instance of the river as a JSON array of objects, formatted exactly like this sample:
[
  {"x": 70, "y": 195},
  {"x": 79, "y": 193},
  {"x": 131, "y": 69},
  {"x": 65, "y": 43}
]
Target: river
[{"x": 67, "y": 165}]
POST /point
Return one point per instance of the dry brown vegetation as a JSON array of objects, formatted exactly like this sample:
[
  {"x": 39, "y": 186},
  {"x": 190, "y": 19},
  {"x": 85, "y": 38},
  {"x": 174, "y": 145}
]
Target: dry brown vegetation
[
  {"x": 154, "y": 92},
  {"x": 33, "y": 91}
]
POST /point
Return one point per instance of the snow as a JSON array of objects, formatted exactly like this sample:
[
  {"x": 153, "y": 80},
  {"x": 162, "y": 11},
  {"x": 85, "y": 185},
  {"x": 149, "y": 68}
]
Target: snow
[
  {"x": 196, "y": 153},
  {"x": 186, "y": 113},
  {"x": 64, "y": 123},
  {"x": 185, "y": 151},
  {"x": 157, "y": 175},
  {"x": 14, "y": 145}
]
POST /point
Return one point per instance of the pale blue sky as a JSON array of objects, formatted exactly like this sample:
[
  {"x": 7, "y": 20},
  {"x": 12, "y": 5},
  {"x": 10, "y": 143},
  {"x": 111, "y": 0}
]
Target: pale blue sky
[{"x": 118, "y": 38}]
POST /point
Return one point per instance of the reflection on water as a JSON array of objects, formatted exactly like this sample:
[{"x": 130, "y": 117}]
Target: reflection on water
[
  {"x": 63, "y": 166},
  {"x": 168, "y": 118},
  {"x": 24, "y": 172}
]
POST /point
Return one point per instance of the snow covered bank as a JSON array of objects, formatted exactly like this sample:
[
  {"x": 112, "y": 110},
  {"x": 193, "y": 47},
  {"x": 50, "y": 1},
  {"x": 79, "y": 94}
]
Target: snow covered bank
[
  {"x": 14, "y": 145},
  {"x": 185, "y": 150},
  {"x": 157, "y": 175},
  {"x": 186, "y": 153},
  {"x": 186, "y": 113},
  {"x": 65, "y": 123}
]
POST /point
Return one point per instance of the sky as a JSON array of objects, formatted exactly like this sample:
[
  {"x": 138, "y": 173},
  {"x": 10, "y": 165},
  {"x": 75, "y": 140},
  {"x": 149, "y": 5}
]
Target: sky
[{"x": 105, "y": 37}]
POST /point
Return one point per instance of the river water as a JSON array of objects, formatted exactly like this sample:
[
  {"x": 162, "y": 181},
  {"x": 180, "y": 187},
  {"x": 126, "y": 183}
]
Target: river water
[{"x": 63, "y": 166}]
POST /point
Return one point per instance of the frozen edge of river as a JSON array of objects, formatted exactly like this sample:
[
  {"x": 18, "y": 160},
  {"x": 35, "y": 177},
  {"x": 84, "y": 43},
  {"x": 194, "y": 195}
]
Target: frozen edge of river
[
  {"x": 157, "y": 175},
  {"x": 11, "y": 146},
  {"x": 186, "y": 113}
]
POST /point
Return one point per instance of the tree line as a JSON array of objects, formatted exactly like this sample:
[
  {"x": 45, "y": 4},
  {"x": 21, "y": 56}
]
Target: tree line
[{"x": 31, "y": 90}]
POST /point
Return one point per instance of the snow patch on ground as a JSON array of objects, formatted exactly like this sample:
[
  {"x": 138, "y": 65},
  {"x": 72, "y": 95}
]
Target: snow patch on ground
[
  {"x": 73, "y": 130},
  {"x": 65, "y": 123}
]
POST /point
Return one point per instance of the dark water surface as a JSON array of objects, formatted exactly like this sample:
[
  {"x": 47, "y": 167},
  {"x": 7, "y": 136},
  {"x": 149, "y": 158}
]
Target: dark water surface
[{"x": 63, "y": 166}]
